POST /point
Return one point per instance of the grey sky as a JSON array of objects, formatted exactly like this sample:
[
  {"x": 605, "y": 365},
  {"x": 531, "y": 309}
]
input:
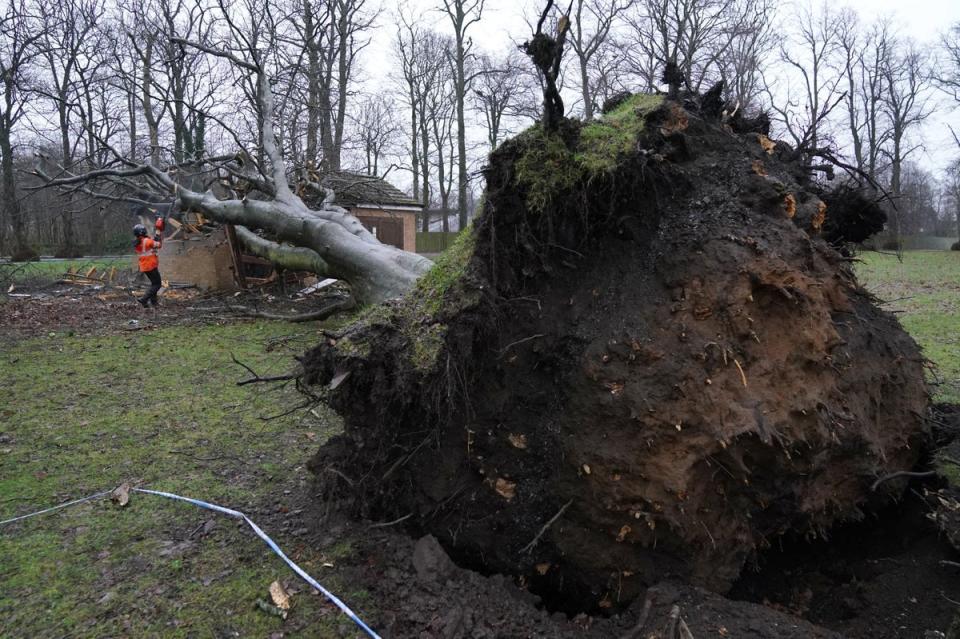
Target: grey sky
[{"x": 923, "y": 21}]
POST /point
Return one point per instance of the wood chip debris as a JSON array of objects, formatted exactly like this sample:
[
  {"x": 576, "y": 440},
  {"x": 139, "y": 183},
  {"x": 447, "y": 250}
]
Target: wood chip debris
[
  {"x": 518, "y": 441},
  {"x": 121, "y": 495},
  {"x": 280, "y": 596},
  {"x": 505, "y": 488}
]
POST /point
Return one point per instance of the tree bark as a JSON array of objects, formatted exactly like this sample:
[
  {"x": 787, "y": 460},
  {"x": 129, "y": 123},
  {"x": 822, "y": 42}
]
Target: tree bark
[{"x": 294, "y": 258}]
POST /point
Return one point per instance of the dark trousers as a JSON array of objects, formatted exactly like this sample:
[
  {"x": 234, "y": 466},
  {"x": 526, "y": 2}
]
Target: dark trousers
[{"x": 155, "y": 284}]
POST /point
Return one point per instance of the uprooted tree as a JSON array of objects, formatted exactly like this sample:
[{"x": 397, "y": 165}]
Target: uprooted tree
[
  {"x": 645, "y": 361},
  {"x": 254, "y": 190}
]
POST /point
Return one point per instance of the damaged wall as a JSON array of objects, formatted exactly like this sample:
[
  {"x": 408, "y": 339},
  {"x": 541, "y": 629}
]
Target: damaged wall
[{"x": 202, "y": 260}]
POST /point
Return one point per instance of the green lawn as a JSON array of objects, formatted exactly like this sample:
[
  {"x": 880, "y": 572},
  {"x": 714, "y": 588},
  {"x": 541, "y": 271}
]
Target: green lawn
[
  {"x": 50, "y": 271},
  {"x": 924, "y": 291},
  {"x": 161, "y": 409}
]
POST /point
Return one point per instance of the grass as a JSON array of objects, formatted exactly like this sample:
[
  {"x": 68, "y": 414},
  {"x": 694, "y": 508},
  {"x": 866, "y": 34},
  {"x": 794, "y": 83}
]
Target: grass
[
  {"x": 924, "y": 291},
  {"x": 160, "y": 408},
  {"x": 50, "y": 271},
  {"x": 550, "y": 170},
  {"x": 615, "y": 134}
]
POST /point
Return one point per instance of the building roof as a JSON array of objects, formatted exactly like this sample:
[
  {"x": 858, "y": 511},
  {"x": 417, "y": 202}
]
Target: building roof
[{"x": 356, "y": 188}]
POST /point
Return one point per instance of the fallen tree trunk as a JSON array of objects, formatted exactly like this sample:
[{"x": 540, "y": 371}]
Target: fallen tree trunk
[
  {"x": 294, "y": 258},
  {"x": 331, "y": 235},
  {"x": 642, "y": 362}
]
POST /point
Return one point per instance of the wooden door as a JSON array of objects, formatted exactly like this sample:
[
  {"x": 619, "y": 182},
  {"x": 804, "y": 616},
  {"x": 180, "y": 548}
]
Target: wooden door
[{"x": 388, "y": 230}]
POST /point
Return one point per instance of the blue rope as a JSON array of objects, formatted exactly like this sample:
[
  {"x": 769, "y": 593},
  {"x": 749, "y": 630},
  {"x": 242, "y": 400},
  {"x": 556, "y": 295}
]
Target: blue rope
[
  {"x": 50, "y": 510},
  {"x": 237, "y": 515}
]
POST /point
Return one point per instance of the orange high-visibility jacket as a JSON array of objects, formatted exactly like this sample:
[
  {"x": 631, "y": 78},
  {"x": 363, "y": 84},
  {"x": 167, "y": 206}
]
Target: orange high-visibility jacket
[{"x": 147, "y": 250}]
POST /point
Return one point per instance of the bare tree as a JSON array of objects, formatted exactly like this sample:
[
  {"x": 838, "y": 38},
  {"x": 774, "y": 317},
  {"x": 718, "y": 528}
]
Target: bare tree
[
  {"x": 21, "y": 35},
  {"x": 70, "y": 49},
  {"x": 948, "y": 75},
  {"x": 811, "y": 57},
  {"x": 377, "y": 130},
  {"x": 333, "y": 33},
  {"x": 498, "y": 92},
  {"x": 953, "y": 192},
  {"x": 463, "y": 14},
  {"x": 688, "y": 35},
  {"x": 741, "y": 63},
  {"x": 591, "y": 24},
  {"x": 440, "y": 112},
  {"x": 337, "y": 239},
  {"x": 866, "y": 53},
  {"x": 906, "y": 101},
  {"x": 405, "y": 45}
]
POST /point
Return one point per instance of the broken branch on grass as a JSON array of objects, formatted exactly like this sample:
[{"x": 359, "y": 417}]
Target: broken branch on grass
[
  {"x": 257, "y": 379},
  {"x": 529, "y": 547},
  {"x": 342, "y": 304},
  {"x": 901, "y": 473}
]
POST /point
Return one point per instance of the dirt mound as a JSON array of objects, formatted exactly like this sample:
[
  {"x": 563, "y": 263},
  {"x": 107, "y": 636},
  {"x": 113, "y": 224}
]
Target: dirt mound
[{"x": 642, "y": 363}]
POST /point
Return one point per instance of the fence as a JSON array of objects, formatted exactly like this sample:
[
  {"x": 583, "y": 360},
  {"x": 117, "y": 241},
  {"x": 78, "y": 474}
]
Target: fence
[
  {"x": 911, "y": 242},
  {"x": 434, "y": 241}
]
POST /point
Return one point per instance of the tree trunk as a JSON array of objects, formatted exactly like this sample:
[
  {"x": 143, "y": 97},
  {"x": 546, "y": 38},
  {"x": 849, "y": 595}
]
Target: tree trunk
[
  {"x": 11, "y": 203},
  {"x": 313, "y": 83},
  {"x": 414, "y": 160},
  {"x": 585, "y": 89},
  {"x": 153, "y": 124},
  {"x": 461, "y": 136},
  {"x": 375, "y": 271},
  {"x": 294, "y": 258}
]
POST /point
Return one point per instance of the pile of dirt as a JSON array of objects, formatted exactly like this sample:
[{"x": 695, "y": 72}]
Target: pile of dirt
[{"x": 642, "y": 363}]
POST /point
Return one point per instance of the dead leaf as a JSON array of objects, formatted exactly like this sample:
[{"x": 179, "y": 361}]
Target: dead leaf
[
  {"x": 505, "y": 488},
  {"x": 543, "y": 568},
  {"x": 615, "y": 388},
  {"x": 624, "y": 531},
  {"x": 790, "y": 205},
  {"x": 121, "y": 495},
  {"x": 311, "y": 436},
  {"x": 767, "y": 144},
  {"x": 819, "y": 217},
  {"x": 518, "y": 441},
  {"x": 281, "y": 598}
]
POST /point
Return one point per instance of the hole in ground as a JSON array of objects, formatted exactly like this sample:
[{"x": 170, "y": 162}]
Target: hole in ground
[{"x": 877, "y": 578}]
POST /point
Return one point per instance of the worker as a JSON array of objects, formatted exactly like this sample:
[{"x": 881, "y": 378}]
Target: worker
[{"x": 146, "y": 249}]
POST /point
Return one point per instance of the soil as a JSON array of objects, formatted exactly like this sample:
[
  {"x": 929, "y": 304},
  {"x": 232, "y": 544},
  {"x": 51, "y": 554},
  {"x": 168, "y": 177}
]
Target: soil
[
  {"x": 103, "y": 309},
  {"x": 644, "y": 375}
]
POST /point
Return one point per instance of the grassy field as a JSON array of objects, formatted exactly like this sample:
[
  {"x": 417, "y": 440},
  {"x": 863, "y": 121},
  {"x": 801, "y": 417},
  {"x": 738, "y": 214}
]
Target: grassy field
[
  {"x": 159, "y": 408},
  {"x": 44, "y": 272},
  {"x": 924, "y": 291}
]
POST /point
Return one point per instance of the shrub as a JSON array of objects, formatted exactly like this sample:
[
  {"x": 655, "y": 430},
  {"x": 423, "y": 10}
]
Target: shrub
[{"x": 955, "y": 246}]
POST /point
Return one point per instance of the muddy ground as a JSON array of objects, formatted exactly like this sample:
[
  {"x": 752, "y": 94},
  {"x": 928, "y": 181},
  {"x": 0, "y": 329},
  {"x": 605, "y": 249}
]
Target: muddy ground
[{"x": 882, "y": 578}]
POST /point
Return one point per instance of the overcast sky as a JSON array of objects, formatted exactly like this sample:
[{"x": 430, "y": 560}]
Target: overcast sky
[{"x": 922, "y": 20}]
